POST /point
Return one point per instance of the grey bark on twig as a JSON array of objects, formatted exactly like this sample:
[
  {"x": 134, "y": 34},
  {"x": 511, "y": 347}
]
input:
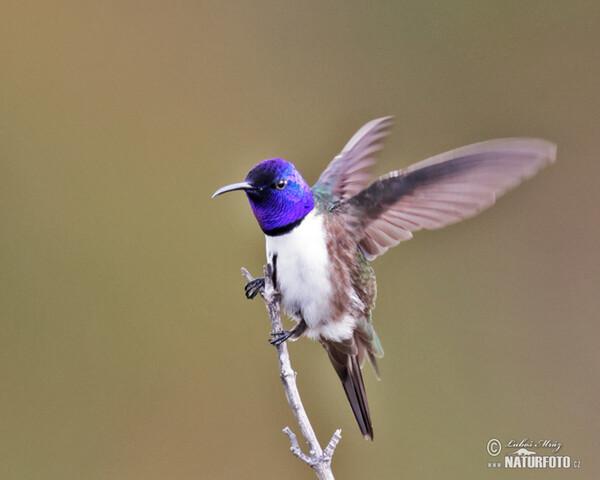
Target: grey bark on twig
[{"x": 318, "y": 459}]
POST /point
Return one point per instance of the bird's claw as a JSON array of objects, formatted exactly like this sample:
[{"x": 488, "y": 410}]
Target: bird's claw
[
  {"x": 280, "y": 337},
  {"x": 254, "y": 287}
]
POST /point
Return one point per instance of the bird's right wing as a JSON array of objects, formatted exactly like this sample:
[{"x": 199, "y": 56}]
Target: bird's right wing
[
  {"x": 443, "y": 190},
  {"x": 349, "y": 172}
]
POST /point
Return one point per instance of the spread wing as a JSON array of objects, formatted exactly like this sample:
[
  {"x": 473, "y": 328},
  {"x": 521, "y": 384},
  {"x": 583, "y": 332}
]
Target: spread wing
[
  {"x": 348, "y": 173},
  {"x": 443, "y": 190}
]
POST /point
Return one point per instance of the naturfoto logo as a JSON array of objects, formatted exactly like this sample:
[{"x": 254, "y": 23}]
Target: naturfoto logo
[{"x": 529, "y": 454}]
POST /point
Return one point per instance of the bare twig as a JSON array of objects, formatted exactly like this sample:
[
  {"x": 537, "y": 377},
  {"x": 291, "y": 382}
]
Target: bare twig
[
  {"x": 295, "y": 448},
  {"x": 318, "y": 459}
]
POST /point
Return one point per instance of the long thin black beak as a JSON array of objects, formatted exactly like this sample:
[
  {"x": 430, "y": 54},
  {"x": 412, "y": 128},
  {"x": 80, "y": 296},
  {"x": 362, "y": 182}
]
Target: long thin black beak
[{"x": 232, "y": 187}]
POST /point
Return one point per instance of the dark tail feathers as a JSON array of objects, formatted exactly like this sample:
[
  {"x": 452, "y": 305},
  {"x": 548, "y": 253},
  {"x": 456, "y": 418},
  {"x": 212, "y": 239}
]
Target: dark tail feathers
[{"x": 344, "y": 357}]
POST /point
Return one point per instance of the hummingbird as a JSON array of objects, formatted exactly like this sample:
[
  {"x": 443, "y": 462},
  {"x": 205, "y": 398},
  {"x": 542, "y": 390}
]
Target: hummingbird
[{"x": 320, "y": 240}]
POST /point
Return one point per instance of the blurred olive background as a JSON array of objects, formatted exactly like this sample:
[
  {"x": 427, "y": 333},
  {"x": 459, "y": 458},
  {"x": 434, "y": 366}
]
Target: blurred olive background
[{"x": 128, "y": 349}]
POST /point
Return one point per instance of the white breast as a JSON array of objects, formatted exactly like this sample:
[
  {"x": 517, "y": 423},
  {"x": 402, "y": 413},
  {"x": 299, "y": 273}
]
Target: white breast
[{"x": 303, "y": 278}]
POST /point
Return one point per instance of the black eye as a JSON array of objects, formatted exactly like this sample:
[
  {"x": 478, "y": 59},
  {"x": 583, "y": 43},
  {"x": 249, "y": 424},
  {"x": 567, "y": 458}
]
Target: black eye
[{"x": 280, "y": 184}]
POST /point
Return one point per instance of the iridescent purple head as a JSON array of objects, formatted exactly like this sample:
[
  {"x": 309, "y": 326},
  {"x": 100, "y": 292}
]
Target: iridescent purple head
[{"x": 278, "y": 195}]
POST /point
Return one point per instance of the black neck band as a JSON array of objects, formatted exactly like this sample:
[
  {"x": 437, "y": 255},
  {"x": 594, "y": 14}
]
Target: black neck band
[{"x": 275, "y": 232}]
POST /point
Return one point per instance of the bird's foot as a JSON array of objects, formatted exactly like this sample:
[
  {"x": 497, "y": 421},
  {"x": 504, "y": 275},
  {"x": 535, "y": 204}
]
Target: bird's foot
[
  {"x": 254, "y": 287},
  {"x": 280, "y": 337}
]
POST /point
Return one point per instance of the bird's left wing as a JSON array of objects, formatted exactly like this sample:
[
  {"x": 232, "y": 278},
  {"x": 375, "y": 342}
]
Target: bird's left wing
[
  {"x": 348, "y": 173},
  {"x": 442, "y": 190}
]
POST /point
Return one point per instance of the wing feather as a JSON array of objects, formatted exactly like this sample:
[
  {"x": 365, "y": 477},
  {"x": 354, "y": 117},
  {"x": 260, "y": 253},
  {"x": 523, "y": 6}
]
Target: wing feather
[
  {"x": 444, "y": 189},
  {"x": 349, "y": 172}
]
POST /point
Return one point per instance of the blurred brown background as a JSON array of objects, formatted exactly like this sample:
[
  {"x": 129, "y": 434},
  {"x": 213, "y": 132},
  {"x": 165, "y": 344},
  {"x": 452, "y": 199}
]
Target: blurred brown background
[{"x": 128, "y": 349}]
